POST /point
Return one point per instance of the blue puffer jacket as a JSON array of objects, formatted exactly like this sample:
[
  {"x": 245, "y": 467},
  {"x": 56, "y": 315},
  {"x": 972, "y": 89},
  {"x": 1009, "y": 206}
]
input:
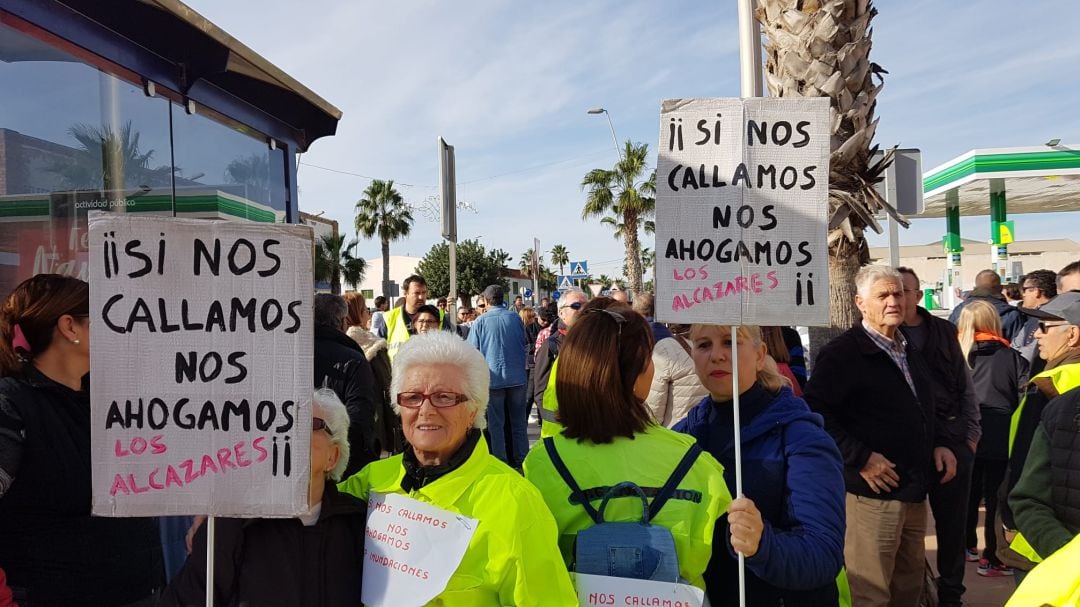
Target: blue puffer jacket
[{"x": 793, "y": 472}]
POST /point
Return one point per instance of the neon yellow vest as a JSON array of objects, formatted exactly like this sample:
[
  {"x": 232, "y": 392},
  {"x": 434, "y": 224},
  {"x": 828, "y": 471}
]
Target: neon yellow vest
[
  {"x": 513, "y": 558},
  {"x": 1055, "y": 582},
  {"x": 1064, "y": 378},
  {"x": 548, "y": 426},
  {"x": 397, "y": 332},
  {"x": 646, "y": 460}
]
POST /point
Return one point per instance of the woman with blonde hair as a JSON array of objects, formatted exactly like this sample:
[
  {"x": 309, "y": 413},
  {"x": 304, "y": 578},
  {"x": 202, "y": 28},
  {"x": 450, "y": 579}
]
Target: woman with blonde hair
[
  {"x": 999, "y": 374},
  {"x": 789, "y": 523}
]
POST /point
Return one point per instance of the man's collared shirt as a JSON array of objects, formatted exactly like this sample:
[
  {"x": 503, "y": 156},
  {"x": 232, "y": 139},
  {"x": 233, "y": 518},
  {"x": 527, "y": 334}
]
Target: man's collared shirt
[{"x": 896, "y": 349}]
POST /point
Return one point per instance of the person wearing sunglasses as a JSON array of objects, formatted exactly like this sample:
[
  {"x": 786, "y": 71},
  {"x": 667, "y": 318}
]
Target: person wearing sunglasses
[
  {"x": 53, "y": 551},
  {"x": 440, "y": 387},
  {"x": 569, "y": 305},
  {"x": 1058, "y": 334},
  {"x": 609, "y": 436},
  {"x": 316, "y": 559}
]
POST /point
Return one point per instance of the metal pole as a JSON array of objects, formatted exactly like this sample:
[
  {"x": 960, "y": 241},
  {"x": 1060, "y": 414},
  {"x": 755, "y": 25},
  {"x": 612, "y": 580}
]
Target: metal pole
[
  {"x": 611, "y": 126},
  {"x": 749, "y": 51},
  {"x": 452, "y": 297},
  {"x": 738, "y": 447},
  {"x": 751, "y": 86},
  {"x": 211, "y": 530}
]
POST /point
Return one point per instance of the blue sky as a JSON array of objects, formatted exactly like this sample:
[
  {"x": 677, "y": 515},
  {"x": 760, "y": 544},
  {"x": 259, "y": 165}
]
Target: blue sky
[{"x": 509, "y": 83}]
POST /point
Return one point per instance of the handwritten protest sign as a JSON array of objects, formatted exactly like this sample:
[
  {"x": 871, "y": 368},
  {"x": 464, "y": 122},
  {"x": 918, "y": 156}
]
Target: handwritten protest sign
[
  {"x": 411, "y": 550},
  {"x": 200, "y": 366},
  {"x": 741, "y": 211},
  {"x": 600, "y": 590}
]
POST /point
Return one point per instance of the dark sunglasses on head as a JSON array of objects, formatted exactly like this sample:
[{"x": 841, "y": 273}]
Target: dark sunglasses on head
[
  {"x": 318, "y": 423},
  {"x": 619, "y": 318}
]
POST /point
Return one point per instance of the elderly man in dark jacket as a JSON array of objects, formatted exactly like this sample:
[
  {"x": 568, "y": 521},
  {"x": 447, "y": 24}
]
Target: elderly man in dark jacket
[
  {"x": 340, "y": 364},
  {"x": 874, "y": 392},
  {"x": 957, "y": 412}
]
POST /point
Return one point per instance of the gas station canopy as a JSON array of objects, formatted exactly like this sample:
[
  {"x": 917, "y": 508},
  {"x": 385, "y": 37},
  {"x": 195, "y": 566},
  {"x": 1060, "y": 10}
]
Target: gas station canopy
[{"x": 1036, "y": 179}]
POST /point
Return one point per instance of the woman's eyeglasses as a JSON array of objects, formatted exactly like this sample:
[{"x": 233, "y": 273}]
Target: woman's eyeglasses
[
  {"x": 574, "y": 306},
  {"x": 318, "y": 423},
  {"x": 439, "y": 400}
]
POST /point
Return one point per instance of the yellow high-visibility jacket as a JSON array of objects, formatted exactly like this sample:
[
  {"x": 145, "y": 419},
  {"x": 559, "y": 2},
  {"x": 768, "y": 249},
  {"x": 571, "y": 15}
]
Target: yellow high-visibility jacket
[
  {"x": 513, "y": 558},
  {"x": 1054, "y": 582},
  {"x": 550, "y": 406},
  {"x": 397, "y": 332},
  {"x": 646, "y": 460},
  {"x": 1064, "y": 378}
]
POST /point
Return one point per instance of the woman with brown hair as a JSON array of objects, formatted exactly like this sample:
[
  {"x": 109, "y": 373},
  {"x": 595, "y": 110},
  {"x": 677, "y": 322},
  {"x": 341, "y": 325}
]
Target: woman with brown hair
[
  {"x": 358, "y": 320},
  {"x": 610, "y": 437},
  {"x": 54, "y": 552},
  {"x": 789, "y": 523}
]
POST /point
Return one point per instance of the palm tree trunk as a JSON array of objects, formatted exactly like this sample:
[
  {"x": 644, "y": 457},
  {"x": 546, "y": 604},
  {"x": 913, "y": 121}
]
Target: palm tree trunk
[
  {"x": 842, "y": 310},
  {"x": 386, "y": 267},
  {"x": 633, "y": 254},
  {"x": 335, "y": 282}
]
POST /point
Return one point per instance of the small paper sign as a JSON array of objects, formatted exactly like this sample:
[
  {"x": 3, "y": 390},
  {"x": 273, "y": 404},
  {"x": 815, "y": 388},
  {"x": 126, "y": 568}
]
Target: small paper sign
[
  {"x": 411, "y": 550},
  {"x": 599, "y": 590}
]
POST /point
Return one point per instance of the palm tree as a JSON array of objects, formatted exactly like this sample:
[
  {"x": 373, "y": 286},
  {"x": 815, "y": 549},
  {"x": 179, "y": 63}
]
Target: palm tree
[
  {"x": 648, "y": 226},
  {"x": 252, "y": 172},
  {"x": 648, "y": 260},
  {"x": 334, "y": 261},
  {"x": 560, "y": 257},
  {"x": 623, "y": 192},
  {"x": 107, "y": 157},
  {"x": 526, "y": 262},
  {"x": 382, "y": 211},
  {"x": 819, "y": 49}
]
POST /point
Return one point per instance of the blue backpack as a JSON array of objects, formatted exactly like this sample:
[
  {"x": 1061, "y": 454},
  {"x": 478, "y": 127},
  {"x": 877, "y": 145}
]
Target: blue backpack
[{"x": 638, "y": 550}]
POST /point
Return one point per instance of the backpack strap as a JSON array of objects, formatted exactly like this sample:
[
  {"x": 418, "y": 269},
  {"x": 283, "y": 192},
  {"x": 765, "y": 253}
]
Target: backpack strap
[
  {"x": 564, "y": 472},
  {"x": 673, "y": 481}
]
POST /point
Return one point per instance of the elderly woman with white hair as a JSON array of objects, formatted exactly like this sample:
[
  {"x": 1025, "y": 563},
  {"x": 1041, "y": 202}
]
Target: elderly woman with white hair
[
  {"x": 314, "y": 560},
  {"x": 440, "y": 390}
]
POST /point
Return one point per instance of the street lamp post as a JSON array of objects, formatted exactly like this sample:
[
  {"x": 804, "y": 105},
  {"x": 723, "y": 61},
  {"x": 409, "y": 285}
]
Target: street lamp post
[{"x": 600, "y": 110}]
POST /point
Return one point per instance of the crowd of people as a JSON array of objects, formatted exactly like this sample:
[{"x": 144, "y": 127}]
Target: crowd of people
[{"x": 903, "y": 416}]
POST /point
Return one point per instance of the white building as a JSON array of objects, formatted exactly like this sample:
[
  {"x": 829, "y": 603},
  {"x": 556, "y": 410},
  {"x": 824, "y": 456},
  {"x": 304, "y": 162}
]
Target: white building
[{"x": 401, "y": 267}]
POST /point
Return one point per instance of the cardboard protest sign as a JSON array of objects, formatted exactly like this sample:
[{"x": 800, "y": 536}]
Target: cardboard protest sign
[
  {"x": 599, "y": 590},
  {"x": 200, "y": 366},
  {"x": 741, "y": 211},
  {"x": 411, "y": 550}
]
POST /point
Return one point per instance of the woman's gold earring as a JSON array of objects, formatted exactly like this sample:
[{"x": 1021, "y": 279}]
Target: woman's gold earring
[{"x": 76, "y": 342}]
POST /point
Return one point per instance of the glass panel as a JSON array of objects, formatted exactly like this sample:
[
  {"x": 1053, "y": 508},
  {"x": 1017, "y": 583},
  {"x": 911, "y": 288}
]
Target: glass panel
[
  {"x": 72, "y": 138},
  {"x": 224, "y": 172}
]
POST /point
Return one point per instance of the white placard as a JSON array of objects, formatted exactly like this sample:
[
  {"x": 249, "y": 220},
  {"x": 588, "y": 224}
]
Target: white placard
[
  {"x": 601, "y": 590},
  {"x": 411, "y": 550},
  {"x": 741, "y": 211},
  {"x": 200, "y": 366}
]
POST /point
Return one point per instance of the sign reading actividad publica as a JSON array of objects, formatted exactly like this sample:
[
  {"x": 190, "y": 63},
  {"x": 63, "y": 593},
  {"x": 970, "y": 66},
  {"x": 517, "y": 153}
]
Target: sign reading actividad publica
[
  {"x": 741, "y": 211},
  {"x": 200, "y": 366}
]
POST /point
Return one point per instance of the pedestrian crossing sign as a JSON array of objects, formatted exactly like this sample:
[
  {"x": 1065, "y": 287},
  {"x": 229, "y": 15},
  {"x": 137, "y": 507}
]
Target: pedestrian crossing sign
[
  {"x": 565, "y": 283},
  {"x": 579, "y": 269}
]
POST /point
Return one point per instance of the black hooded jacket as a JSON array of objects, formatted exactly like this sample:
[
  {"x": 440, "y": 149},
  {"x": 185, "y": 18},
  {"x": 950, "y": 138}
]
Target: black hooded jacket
[
  {"x": 340, "y": 365},
  {"x": 272, "y": 562}
]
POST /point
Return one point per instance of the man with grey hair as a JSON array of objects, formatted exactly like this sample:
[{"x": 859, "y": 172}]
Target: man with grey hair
[
  {"x": 340, "y": 365},
  {"x": 569, "y": 304},
  {"x": 873, "y": 390}
]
